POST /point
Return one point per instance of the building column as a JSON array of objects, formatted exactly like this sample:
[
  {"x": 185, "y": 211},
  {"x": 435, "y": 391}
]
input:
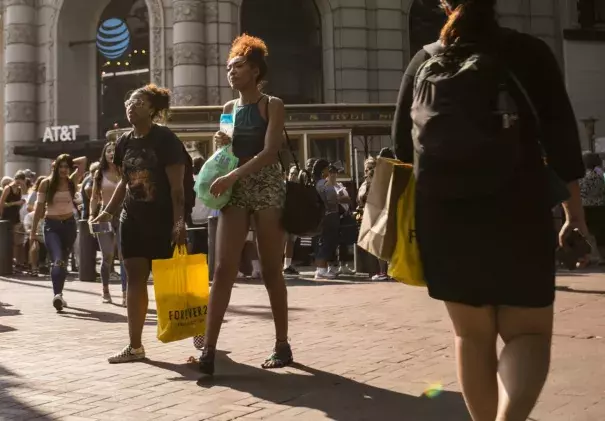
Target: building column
[
  {"x": 20, "y": 71},
  {"x": 188, "y": 55}
]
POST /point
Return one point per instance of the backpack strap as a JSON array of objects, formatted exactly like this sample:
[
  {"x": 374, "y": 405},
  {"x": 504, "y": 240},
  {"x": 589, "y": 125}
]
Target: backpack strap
[{"x": 434, "y": 48}]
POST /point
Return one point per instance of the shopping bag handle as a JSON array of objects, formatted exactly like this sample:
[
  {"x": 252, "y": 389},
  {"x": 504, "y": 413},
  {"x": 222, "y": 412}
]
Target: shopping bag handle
[{"x": 180, "y": 251}]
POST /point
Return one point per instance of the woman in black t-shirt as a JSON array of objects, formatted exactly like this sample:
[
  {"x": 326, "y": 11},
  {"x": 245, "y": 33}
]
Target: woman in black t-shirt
[
  {"x": 151, "y": 162},
  {"x": 491, "y": 256}
]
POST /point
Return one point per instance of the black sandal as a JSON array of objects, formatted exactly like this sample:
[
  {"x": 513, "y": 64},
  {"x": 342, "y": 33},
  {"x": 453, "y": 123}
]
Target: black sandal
[
  {"x": 206, "y": 364},
  {"x": 280, "y": 358}
]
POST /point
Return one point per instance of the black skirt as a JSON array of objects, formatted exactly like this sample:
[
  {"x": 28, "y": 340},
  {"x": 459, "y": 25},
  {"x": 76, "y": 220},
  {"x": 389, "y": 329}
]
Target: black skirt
[{"x": 497, "y": 251}]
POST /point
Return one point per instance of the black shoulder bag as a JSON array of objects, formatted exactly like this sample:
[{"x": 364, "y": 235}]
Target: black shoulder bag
[{"x": 304, "y": 209}]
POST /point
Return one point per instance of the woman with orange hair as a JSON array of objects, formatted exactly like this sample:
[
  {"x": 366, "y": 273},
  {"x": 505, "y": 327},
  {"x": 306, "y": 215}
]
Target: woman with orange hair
[{"x": 258, "y": 195}]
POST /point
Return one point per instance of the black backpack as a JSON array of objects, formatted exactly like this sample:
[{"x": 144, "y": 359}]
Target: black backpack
[
  {"x": 465, "y": 122},
  {"x": 304, "y": 208}
]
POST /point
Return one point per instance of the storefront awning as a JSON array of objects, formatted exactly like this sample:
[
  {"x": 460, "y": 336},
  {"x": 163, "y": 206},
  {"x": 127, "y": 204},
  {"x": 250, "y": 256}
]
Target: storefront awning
[{"x": 50, "y": 150}]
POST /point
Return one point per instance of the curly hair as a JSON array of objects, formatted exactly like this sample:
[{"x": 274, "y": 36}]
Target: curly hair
[
  {"x": 471, "y": 20},
  {"x": 159, "y": 99},
  {"x": 254, "y": 50}
]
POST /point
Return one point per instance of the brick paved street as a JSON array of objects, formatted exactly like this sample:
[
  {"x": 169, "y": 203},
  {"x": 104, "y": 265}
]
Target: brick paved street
[{"x": 364, "y": 351}]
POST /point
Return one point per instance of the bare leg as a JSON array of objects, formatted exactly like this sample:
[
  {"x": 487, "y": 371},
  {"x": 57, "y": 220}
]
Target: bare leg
[
  {"x": 477, "y": 359},
  {"x": 525, "y": 359},
  {"x": 137, "y": 271},
  {"x": 231, "y": 235},
  {"x": 270, "y": 236}
]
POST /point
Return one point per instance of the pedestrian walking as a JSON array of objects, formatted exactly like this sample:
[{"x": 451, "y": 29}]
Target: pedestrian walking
[
  {"x": 105, "y": 181},
  {"x": 55, "y": 202},
  {"x": 483, "y": 205},
  {"x": 151, "y": 162}
]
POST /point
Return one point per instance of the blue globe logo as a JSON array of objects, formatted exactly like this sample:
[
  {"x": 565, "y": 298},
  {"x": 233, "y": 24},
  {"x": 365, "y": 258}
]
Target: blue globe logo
[{"x": 113, "y": 38}]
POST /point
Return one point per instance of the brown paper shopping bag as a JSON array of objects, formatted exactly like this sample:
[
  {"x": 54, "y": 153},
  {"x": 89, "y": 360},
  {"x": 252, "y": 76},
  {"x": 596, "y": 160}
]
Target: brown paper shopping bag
[{"x": 378, "y": 232}]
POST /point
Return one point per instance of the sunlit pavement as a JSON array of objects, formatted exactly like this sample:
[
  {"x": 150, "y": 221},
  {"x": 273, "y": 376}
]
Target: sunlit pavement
[{"x": 363, "y": 351}]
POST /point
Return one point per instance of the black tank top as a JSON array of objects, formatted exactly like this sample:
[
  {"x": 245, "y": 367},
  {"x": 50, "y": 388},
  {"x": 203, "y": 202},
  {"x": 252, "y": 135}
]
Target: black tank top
[
  {"x": 11, "y": 213},
  {"x": 249, "y": 129}
]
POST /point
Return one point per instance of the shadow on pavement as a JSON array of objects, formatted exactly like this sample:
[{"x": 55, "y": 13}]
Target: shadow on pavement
[
  {"x": 5, "y": 311},
  {"x": 579, "y": 291},
  {"x": 340, "y": 398},
  {"x": 260, "y": 311},
  {"x": 10, "y": 406},
  {"x": 98, "y": 316}
]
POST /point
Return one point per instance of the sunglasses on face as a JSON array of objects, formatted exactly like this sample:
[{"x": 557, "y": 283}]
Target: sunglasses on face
[{"x": 136, "y": 102}]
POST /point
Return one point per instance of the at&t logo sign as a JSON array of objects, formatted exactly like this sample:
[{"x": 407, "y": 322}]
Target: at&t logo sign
[{"x": 113, "y": 38}]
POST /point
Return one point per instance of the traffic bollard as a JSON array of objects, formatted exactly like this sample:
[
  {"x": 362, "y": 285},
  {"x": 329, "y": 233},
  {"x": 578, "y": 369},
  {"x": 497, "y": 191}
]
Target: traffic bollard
[
  {"x": 6, "y": 248},
  {"x": 88, "y": 253}
]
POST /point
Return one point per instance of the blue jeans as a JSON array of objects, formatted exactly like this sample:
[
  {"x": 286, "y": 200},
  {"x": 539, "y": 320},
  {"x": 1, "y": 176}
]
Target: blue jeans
[
  {"x": 328, "y": 239},
  {"x": 59, "y": 237},
  {"x": 107, "y": 244}
]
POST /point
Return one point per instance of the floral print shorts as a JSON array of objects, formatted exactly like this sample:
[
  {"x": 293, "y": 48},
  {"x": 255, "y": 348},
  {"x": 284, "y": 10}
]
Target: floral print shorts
[{"x": 262, "y": 190}]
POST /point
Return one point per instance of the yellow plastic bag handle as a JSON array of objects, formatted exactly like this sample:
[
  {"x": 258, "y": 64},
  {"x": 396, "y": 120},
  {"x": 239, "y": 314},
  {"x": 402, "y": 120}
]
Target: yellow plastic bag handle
[{"x": 180, "y": 251}]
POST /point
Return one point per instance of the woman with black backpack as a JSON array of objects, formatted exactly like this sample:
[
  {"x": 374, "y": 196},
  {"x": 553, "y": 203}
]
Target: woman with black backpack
[{"x": 483, "y": 197}]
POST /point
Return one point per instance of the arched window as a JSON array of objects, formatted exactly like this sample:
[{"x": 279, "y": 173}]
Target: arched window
[
  {"x": 122, "y": 57},
  {"x": 426, "y": 21},
  {"x": 292, "y": 31}
]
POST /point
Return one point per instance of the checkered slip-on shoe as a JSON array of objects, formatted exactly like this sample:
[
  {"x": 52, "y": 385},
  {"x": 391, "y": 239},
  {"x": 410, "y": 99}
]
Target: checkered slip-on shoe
[
  {"x": 198, "y": 342},
  {"x": 127, "y": 355}
]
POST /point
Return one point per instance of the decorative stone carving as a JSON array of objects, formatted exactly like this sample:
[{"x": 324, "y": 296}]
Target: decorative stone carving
[
  {"x": 20, "y": 34},
  {"x": 20, "y": 72},
  {"x": 30, "y": 3},
  {"x": 189, "y": 95},
  {"x": 188, "y": 53},
  {"x": 211, "y": 11},
  {"x": 212, "y": 55},
  {"x": 156, "y": 23},
  {"x": 20, "y": 112},
  {"x": 214, "y": 95},
  {"x": 188, "y": 11},
  {"x": 41, "y": 74}
]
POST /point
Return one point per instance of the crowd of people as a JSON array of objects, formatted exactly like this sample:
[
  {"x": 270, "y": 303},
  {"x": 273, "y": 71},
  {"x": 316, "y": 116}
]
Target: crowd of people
[{"x": 490, "y": 257}]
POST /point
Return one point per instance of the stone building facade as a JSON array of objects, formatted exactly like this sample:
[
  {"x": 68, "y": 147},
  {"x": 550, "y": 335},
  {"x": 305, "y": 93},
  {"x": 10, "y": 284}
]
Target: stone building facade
[{"x": 358, "y": 51}]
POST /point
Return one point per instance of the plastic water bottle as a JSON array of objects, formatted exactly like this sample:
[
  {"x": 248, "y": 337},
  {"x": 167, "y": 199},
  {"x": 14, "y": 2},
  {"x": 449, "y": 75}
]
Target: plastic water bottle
[{"x": 226, "y": 124}]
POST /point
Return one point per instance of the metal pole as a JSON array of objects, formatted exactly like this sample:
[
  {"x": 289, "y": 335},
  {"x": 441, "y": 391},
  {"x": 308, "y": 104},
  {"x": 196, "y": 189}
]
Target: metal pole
[
  {"x": 6, "y": 248},
  {"x": 88, "y": 253}
]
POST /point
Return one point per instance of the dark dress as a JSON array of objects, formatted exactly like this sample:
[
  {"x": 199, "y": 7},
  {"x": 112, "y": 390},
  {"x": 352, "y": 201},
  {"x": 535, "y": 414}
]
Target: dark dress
[
  {"x": 147, "y": 218},
  {"x": 499, "y": 249}
]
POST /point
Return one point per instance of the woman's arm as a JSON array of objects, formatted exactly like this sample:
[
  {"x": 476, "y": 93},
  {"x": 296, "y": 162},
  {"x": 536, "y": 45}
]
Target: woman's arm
[
  {"x": 116, "y": 200},
  {"x": 176, "y": 175},
  {"x": 401, "y": 133},
  {"x": 80, "y": 164},
  {"x": 3, "y": 203},
  {"x": 40, "y": 206},
  {"x": 94, "y": 199},
  {"x": 273, "y": 140}
]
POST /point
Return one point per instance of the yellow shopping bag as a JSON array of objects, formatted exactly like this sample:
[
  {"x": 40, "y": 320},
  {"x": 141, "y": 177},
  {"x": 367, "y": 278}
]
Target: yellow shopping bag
[
  {"x": 181, "y": 295},
  {"x": 405, "y": 265}
]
